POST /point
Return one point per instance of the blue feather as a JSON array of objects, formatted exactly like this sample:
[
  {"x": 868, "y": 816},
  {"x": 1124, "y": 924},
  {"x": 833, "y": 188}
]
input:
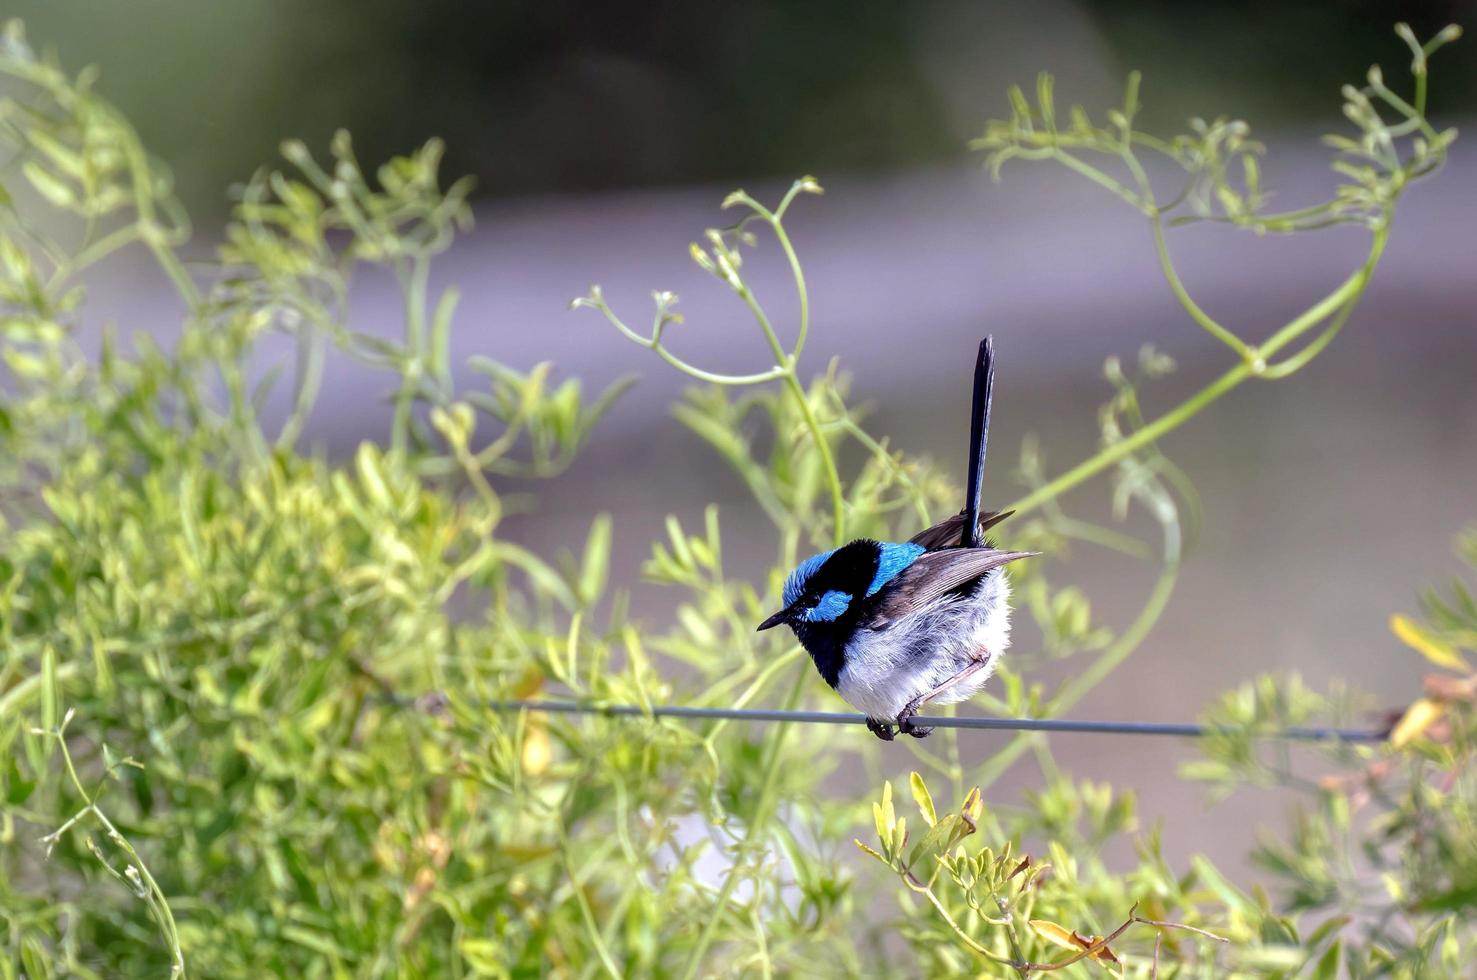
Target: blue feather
[
  {"x": 891, "y": 560},
  {"x": 830, "y": 608},
  {"x": 795, "y": 584}
]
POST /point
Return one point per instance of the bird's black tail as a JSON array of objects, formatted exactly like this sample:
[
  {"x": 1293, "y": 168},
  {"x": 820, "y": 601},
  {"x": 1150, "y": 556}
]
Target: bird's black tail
[{"x": 979, "y": 437}]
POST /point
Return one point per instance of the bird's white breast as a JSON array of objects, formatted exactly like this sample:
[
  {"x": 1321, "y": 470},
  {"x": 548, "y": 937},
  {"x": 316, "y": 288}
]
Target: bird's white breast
[{"x": 885, "y": 669}]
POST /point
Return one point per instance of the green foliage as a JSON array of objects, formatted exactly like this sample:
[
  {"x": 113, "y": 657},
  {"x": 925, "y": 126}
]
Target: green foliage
[
  {"x": 1380, "y": 851},
  {"x": 245, "y": 695}
]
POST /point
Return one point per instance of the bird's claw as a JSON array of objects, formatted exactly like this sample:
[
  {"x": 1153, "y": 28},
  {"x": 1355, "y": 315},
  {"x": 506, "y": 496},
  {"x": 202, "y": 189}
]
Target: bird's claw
[
  {"x": 881, "y": 729},
  {"x": 906, "y": 726}
]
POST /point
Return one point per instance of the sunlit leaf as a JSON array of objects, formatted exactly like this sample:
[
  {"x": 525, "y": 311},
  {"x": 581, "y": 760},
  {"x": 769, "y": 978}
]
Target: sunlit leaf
[
  {"x": 922, "y": 798},
  {"x": 1419, "y": 717},
  {"x": 1421, "y": 640},
  {"x": 538, "y": 750},
  {"x": 1055, "y": 934}
]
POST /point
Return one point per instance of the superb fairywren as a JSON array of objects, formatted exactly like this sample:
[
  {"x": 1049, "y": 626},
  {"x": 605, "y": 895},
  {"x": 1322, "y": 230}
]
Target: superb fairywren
[{"x": 893, "y": 626}]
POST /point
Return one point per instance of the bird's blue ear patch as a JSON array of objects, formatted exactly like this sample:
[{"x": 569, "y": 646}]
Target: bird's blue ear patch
[
  {"x": 795, "y": 584},
  {"x": 830, "y": 608},
  {"x": 892, "y": 559}
]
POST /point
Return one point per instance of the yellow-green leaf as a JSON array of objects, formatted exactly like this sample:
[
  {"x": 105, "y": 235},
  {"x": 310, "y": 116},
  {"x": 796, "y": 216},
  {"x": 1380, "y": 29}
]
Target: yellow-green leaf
[
  {"x": 48, "y": 185},
  {"x": 538, "y": 749},
  {"x": 441, "y": 335},
  {"x": 922, "y": 798},
  {"x": 596, "y": 563},
  {"x": 884, "y": 829},
  {"x": 1075, "y": 941},
  {"x": 50, "y": 698},
  {"x": 1055, "y": 934},
  {"x": 1328, "y": 964},
  {"x": 972, "y": 808},
  {"x": 1417, "y": 718},
  {"x": 1433, "y": 648},
  {"x": 372, "y": 476}
]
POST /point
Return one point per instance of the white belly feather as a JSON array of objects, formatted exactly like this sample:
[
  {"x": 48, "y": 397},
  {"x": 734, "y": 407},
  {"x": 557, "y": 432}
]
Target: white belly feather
[{"x": 885, "y": 669}]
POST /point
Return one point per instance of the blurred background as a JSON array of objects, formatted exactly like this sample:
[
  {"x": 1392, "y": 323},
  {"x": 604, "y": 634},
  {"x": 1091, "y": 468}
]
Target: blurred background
[{"x": 603, "y": 139}]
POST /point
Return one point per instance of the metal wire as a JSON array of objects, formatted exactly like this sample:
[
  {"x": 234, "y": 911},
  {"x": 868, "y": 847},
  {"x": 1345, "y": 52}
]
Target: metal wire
[{"x": 985, "y": 724}]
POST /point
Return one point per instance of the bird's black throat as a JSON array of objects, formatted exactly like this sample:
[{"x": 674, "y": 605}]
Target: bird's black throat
[{"x": 826, "y": 644}]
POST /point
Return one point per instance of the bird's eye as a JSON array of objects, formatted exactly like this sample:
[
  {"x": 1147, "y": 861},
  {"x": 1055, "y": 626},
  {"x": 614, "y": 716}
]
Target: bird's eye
[{"x": 827, "y": 607}]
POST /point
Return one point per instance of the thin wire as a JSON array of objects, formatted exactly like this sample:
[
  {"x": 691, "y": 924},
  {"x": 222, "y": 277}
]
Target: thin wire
[{"x": 986, "y": 724}]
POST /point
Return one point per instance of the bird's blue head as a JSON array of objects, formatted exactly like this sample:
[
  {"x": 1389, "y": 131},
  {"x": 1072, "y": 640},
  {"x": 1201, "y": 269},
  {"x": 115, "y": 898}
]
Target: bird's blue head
[{"x": 824, "y": 588}]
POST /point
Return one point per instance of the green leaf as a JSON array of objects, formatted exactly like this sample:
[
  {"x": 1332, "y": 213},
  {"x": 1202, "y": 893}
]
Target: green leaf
[
  {"x": 922, "y": 798},
  {"x": 596, "y": 565},
  {"x": 48, "y": 185},
  {"x": 35, "y": 959},
  {"x": 50, "y": 696},
  {"x": 884, "y": 828},
  {"x": 1328, "y": 964},
  {"x": 543, "y": 577},
  {"x": 18, "y": 788},
  {"x": 24, "y": 364},
  {"x": 1326, "y": 929},
  {"x": 940, "y": 838},
  {"x": 1230, "y": 896},
  {"x": 372, "y": 475},
  {"x": 63, "y": 156},
  {"x": 441, "y": 335}
]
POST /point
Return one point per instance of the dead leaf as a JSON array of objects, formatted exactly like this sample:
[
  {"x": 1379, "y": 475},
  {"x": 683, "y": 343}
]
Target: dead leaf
[{"x": 1441, "y": 687}]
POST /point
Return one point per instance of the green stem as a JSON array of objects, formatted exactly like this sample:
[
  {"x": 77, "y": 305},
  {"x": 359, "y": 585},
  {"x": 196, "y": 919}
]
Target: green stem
[
  {"x": 802, "y": 402},
  {"x": 1347, "y": 293},
  {"x": 828, "y": 461},
  {"x": 752, "y": 834},
  {"x": 1171, "y": 420},
  {"x": 1079, "y": 686},
  {"x": 654, "y": 344},
  {"x": 1015, "y": 943},
  {"x": 965, "y": 937},
  {"x": 152, "y": 233},
  {"x": 414, "y": 287},
  {"x": 801, "y": 292},
  {"x": 1096, "y": 176},
  {"x": 879, "y": 452},
  {"x": 1351, "y": 288},
  {"x": 1343, "y": 299},
  {"x": 92, "y": 253},
  {"x": 311, "y": 349},
  {"x": 154, "y": 895},
  {"x": 1166, "y": 264},
  {"x": 785, "y": 361},
  {"x": 760, "y": 681},
  {"x": 588, "y": 914}
]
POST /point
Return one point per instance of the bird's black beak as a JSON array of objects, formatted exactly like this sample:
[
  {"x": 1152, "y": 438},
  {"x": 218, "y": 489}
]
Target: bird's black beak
[{"x": 783, "y": 616}]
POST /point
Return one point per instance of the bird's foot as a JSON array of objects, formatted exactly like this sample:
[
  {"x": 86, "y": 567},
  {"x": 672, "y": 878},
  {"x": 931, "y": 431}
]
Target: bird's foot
[
  {"x": 881, "y": 729},
  {"x": 906, "y": 726}
]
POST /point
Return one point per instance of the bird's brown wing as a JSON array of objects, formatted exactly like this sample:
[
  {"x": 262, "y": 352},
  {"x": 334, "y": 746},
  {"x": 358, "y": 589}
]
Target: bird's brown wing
[
  {"x": 934, "y": 575},
  {"x": 949, "y": 533}
]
